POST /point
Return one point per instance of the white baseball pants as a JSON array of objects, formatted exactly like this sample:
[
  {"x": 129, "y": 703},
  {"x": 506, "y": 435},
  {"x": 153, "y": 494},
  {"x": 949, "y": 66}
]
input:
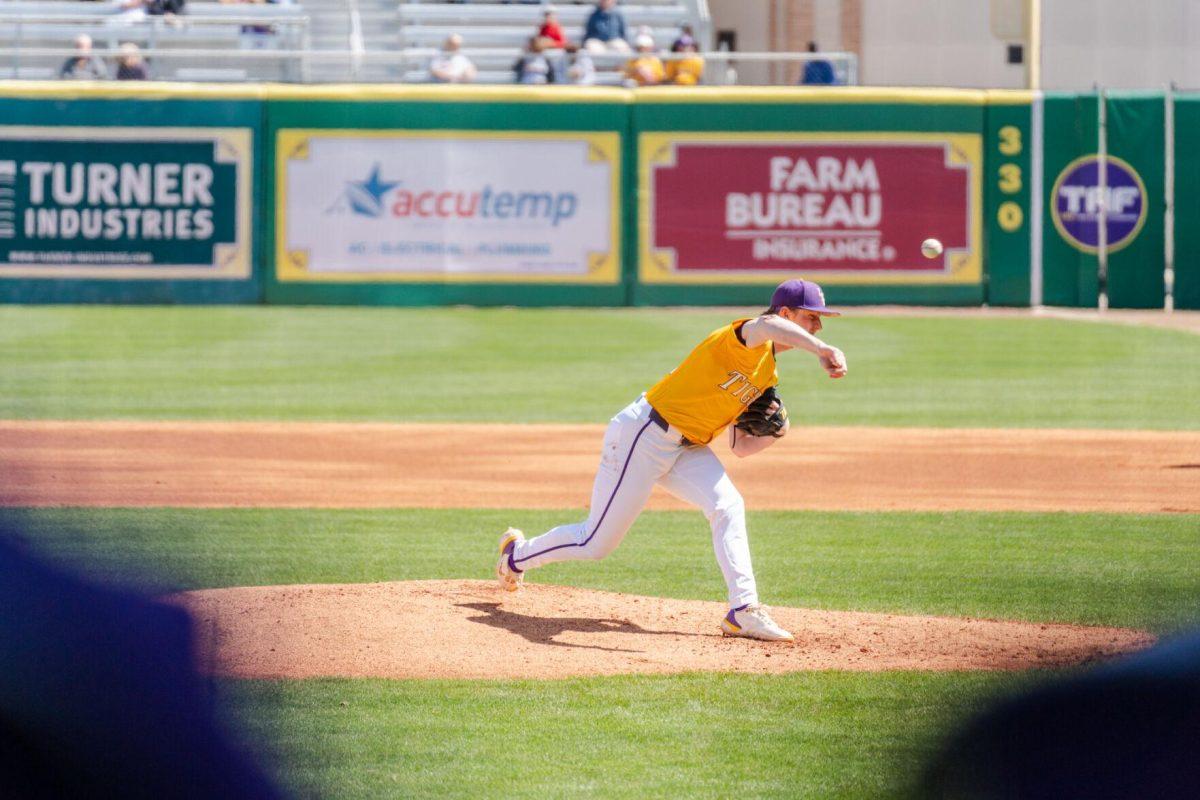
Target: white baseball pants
[{"x": 637, "y": 454}]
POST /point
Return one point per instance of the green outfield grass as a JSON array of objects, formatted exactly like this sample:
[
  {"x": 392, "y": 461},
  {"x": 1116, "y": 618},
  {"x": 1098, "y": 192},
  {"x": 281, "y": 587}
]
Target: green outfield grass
[
  {"x": 702, "y": 735},
  {"x": 811, "y": 735},
  {"x": 559, "y": 365},
  {"x": 1104, "y": 569}
]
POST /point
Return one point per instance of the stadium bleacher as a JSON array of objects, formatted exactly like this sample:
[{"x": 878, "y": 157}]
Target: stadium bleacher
[
  {"x": 494, "y": 32},
  {"x": 317, "y": 40},
  {"x": 28, "y": 29}
]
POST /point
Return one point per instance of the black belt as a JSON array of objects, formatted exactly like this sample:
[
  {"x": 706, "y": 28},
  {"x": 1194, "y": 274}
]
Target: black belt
[{"x": 658, "y": 420}]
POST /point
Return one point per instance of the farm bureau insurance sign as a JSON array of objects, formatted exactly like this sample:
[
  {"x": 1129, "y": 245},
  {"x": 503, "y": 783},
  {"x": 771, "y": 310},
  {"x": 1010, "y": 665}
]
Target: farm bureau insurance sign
[
  {"x": 427, "y": 206},
  {"x": 852, "y": 209},
  {"x": 125, "y": 203}
]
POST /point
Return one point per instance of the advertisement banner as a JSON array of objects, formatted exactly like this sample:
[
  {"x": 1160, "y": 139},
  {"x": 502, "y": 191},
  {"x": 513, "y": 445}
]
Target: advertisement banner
[
  {"x": 1076, "y": 206},
  {"x": 843, "y": 208},
  {"x": 378, "y": 206},
  {"x": 125, "y": 203}
]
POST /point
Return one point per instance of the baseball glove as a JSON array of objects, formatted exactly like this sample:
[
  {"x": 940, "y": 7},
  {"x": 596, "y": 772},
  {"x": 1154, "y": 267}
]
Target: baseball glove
[{"x": 760, "y": 419}]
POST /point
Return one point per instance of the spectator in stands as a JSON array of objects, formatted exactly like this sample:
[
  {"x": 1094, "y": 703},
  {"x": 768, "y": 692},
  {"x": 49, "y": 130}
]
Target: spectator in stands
[
  {"x": 156, "y": 8},
  {"x": 136, "y": 9},
  {"x": 450, "y": 65},
  {"x": 581, "y": 71},
  {"x": 646, "y": 68},
  {"x": 129, "y": 11},
  {"x": 533, "y": 67},
  {"x": 551, "y": 31},
  {"x": 688, "y": 69},
  {"x": 130, "y": 64},
  {"x": 605, "y": 29},
  {"x": 817, "y": 71},
  {"x": 573, "y": 65},
  {"x": 84, "y": 65},
  {"x": 685, "y": 35},
  {"x": 255, "y": 37}
]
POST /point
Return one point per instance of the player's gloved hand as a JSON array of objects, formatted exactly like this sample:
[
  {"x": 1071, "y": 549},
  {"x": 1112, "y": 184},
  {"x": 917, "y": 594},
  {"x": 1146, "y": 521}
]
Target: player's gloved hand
[
  {"x": 766, "y": 416},
  {"x": 833, "y": 361}
]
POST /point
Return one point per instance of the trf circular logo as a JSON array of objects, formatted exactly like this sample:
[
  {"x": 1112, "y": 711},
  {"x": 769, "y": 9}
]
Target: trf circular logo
[{"x": 1075, "y": 203}]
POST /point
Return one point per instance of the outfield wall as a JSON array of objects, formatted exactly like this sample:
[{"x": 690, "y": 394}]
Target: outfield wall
[{"x": 423, "y": 195}]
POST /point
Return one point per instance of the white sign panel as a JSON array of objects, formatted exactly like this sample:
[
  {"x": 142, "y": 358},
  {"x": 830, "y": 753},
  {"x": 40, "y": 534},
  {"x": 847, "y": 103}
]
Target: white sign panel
[{"x": 380, "y": 206}]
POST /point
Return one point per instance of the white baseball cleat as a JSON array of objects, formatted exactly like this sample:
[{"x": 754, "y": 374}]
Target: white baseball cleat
[
  {"x": 753, "y": 622},
  {"x": 510, "y": 579}
]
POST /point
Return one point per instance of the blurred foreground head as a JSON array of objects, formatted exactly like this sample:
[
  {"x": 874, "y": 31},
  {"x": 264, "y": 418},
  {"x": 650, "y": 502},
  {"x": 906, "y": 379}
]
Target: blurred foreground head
[
  {"x": 98, "y": 696},
  {"x": 1130, "y": 729}
]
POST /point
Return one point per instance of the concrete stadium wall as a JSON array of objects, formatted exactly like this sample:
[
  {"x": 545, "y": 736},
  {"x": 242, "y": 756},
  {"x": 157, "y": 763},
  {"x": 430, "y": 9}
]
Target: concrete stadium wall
[{"x": 1111, "y": 43}]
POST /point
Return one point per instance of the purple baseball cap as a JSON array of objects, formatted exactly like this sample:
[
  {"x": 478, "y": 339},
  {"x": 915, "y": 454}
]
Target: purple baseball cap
[{"x": 804, "y": 295}]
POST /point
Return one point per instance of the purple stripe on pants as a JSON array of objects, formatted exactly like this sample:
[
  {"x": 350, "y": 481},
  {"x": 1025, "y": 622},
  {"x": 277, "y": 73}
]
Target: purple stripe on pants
[{"x": 607, "y": 505}]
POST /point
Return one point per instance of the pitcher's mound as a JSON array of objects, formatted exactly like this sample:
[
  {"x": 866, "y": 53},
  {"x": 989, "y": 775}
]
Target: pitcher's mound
[{"x": 471, "y": 629}]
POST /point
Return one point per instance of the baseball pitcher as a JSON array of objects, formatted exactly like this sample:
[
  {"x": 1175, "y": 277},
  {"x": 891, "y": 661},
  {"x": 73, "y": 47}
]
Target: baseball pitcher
[{"x": 727, "y": 381}]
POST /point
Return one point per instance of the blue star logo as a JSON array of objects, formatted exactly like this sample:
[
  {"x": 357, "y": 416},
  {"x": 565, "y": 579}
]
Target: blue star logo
[{"x": 366, "y": 197}]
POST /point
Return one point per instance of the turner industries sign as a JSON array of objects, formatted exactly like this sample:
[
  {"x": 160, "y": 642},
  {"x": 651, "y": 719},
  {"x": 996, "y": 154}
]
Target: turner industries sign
[
  {"x": 124, "y": 202},
  {"x": 851, "y": 208}
]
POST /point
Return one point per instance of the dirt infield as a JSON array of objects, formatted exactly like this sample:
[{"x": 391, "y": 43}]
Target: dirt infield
[
  {"x": 218, "y": 464},
  {"x": 383, "y": 630}
]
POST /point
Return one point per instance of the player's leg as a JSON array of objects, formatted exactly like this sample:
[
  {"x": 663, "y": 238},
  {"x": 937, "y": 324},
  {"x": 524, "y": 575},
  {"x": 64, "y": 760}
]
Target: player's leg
[
  {"x": 635, "y": 454},
  {"x": 699, "y": 478}
]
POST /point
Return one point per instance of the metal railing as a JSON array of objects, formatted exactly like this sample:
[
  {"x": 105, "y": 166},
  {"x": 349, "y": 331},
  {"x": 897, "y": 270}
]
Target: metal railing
[
  {"x": 289, "y": 31},
  {"x": 172, "y": 22},
  {"x": 357, "y": 47},
  {"x": 720, "y": 67}
]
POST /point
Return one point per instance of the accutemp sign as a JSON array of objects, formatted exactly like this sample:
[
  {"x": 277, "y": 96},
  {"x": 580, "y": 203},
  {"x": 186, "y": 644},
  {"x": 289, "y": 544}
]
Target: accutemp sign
[
  {"x": 403, "y": 206},
  {"x": 1076, "y": 203}
]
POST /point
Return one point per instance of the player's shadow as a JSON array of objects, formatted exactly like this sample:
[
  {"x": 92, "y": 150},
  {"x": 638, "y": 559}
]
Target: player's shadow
[{"x": 542, "y": 630}]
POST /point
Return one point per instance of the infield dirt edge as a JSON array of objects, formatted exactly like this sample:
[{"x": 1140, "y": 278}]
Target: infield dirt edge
[
  {"x": 466, "y": 629},
  {"x": 416, "y": 465}
]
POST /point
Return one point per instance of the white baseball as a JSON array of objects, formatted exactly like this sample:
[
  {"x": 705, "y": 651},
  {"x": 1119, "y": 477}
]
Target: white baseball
[{"x": 931, "y": 248}]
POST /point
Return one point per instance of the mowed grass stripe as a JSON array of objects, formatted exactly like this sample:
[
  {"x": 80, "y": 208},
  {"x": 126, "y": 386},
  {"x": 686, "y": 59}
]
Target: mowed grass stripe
[
  {"x": 571, "y": 365},
  {"x": 818, "y": 735},
  {"x": 1103, "y": 569}
]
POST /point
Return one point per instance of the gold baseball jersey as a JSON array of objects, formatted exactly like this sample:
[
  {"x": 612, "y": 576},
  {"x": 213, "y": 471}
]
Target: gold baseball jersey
[{"x": 715, "y": 383}]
